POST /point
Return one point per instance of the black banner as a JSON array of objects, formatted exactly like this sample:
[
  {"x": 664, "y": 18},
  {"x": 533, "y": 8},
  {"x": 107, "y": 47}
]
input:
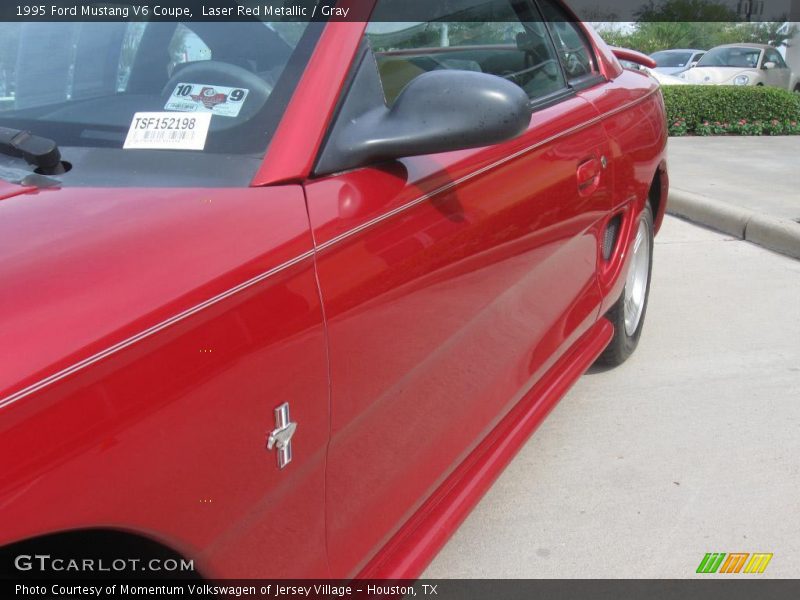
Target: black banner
[
  {"x": 439, "y": 589},
  {"x": 390, "y": 10}
]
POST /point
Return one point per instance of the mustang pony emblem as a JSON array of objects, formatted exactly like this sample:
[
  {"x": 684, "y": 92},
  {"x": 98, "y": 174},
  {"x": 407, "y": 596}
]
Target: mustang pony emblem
[{"x": 281, "y": 436}]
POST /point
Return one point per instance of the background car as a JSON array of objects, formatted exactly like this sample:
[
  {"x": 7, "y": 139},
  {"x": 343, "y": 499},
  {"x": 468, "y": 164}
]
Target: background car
[
  {"x": 672, "y": 62},
  {"x": 663, "y": 79},
  {"x": 743, "y": 64},
  {"x": 297, "y": 332},
  {"x": 659, "y": 77}
]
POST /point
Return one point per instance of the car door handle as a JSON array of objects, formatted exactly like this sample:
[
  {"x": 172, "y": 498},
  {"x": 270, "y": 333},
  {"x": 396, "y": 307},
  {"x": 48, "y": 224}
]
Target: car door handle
[{"x": 589, "y": 176}]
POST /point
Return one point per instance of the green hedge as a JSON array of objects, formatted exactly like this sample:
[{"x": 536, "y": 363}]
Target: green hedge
[{"x": 727, "y": 109}]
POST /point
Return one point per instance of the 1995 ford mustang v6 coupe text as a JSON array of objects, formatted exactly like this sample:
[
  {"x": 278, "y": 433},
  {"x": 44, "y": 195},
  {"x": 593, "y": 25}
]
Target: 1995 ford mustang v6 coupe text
[{"x": 284, "y": 298}]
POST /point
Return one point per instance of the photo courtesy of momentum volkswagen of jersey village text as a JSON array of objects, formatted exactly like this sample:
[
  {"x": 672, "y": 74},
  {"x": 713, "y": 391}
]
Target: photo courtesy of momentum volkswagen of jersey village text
[{"x": 452, "y": 299}]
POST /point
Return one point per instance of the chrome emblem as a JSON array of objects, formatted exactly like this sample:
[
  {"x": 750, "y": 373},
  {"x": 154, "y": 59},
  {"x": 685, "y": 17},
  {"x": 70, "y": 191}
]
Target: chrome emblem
[{"x": 281, "y": 437}]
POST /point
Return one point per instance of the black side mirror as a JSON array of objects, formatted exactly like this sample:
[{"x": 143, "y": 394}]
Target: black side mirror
[{"x": 437, "y": 111}]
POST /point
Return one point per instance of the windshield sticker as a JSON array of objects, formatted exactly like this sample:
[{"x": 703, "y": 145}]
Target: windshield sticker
[
  {"x": 214, "y": 99},
  {"x": 167, "y": 131}
]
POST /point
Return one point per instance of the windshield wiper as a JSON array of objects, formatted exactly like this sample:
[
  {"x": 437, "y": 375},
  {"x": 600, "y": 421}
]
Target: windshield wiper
[{"x": 35, "y": 150}]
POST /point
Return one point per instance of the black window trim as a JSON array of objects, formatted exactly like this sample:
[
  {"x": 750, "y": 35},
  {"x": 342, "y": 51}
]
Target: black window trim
[
  {"x": 583, "y": 82},
  {"x": 587, "y": 81},
  {"x": 552, "y": 98}
]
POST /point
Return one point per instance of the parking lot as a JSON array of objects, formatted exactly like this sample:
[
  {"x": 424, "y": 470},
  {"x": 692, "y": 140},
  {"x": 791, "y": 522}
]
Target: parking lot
[
  {"x": 692, "y": 446},
  {"x": 754, "y": 173}
]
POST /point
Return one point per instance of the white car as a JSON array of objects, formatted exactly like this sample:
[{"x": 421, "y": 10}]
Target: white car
[{"x": 742, "y": 64}]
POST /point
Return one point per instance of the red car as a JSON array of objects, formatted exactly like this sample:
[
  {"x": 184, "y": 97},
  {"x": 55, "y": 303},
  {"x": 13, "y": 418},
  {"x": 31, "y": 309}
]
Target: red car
[{"x": 299, "y": 334}]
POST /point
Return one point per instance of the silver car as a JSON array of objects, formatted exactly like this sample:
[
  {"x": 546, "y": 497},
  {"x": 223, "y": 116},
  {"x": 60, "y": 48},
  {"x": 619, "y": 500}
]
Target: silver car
[{"x": 672, "y": 62}]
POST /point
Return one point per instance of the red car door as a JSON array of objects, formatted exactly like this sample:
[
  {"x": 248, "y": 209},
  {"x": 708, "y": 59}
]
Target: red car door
[{"x": 451, "y": 282}]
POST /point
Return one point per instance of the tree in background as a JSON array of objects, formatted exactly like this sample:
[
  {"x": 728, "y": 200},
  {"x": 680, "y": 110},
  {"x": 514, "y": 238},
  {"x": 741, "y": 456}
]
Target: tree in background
[
  {"x": 691, "y": 24},
  {"x": 772, "y": 33},
  {"x": 650, "y": 36},
  {"x": 696, "y": 11}
]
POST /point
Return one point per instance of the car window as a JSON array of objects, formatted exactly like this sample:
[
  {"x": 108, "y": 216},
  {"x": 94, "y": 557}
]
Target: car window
[
  {"x": 698, "y": 56},
  {"x": 80, "y": 83},
  {"x": 185, "y": 46},
  {"x": 508, "y": 39},
  {"x": 774, "y": 56},
  {"x": 671, "y": 59},
  {"x": 573, "y": 49},
  {"x": 742, "y": 57}
]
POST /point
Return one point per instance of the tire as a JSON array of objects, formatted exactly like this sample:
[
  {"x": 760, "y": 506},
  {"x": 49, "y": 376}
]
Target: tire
[{"x": 627, "y": 314}]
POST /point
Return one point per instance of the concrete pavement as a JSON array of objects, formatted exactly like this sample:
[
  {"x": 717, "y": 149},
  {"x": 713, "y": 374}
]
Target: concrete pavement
[
  {"x": 761, "y": 174},
  {"x": 692, "y": 446},
  {"x": 748, "y": 187}
]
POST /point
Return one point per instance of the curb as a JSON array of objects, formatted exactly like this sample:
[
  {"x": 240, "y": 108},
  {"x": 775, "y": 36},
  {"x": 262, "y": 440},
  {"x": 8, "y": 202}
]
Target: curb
[{"x": 779, "y": 235}]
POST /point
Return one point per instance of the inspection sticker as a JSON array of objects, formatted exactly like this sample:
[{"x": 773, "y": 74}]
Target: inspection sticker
[
  {"x": 168, "y": 131},
  {"x": 215, "y": 99}
]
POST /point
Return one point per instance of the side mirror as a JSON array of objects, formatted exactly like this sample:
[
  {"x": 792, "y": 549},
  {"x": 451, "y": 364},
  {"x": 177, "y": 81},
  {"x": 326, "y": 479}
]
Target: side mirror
[
  {"x": 693, "y": 64},
  {"x": 769, "y": 65},
  {"x": 438, "y": 111}
]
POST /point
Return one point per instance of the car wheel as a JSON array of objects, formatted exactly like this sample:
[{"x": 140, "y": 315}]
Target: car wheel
[{"x": 627, "y": 314}]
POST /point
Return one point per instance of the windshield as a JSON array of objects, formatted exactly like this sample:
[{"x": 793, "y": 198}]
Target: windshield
[
  {"x": 746, "y": 58},
  {"x": 671, "y": 59},
  {"x": 80, "y": 84}
]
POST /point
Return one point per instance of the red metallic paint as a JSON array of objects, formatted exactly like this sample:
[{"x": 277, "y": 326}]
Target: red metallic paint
[
  {"x": 421, "y": 537},
  {"x": 125, "y": 261},
  {"x": 422, "y": 317},
  {"x": 147, "y": 335},
  {"x": 635, "y": 127},
  {"x": 450, "y": 283},
  {"x": 311, "y": 107},
  {"x": 8, "y": 190}
]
